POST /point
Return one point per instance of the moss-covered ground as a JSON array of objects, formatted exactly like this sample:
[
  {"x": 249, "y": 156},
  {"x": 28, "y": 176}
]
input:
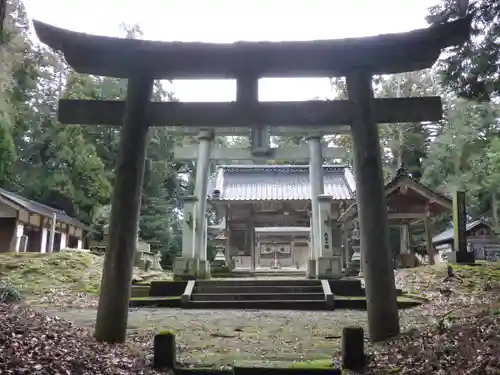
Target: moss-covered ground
[
  {"x": 64, "y": 279},
  {"x": 218, "y": 338}
]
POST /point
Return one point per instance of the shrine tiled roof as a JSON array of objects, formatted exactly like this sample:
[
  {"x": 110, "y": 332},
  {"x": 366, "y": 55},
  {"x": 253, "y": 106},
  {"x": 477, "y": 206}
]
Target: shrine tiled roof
[
  {"x": 278, "y": 182},
  {"x": 449, "y": 234}
]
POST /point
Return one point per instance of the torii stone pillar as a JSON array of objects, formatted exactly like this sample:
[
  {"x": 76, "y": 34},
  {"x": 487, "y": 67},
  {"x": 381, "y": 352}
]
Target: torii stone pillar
[
  {"x": 112, "y": 315},
  {"x": 317, "y": 187},
  {"x": 205, "y": 139},
  {"x": 329, "y": 264},
  {"x": 381, "y": 300},
  {"x": 186, "y": 266}
]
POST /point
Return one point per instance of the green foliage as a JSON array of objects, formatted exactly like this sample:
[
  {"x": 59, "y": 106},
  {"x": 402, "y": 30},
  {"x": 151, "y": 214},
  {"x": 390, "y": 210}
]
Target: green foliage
[
  {"x": 7, "y": 154},
  {"x": 464, "y": 154},
  {"x": 72, "y": 167},
  {"x": 472, "y": 70},
  {"x": 8, "y": 293}
]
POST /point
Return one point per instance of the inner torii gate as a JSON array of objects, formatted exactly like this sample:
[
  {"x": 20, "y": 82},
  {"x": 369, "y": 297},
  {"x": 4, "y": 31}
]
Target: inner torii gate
[
  {"x": 193, "y": 263},
  {"x": 358, "y": 59}
]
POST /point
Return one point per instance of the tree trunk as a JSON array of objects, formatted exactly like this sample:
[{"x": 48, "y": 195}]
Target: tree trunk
[
  {"x": 3, "y": 17},
  {"x": 383, "y": 317},
  {"x": 494, "y": 208},
  {"x": 112, "y": 314},
  {"x": 428, "y": 241}
]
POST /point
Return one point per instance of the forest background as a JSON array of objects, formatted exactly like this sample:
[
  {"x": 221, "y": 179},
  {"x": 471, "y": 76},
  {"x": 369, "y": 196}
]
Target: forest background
[{"x": 72, "y": 167}]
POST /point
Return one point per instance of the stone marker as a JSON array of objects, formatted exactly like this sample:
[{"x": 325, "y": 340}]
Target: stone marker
[
  {"x": 353, "y": 348},
  {"x": 164, "y": 351}
]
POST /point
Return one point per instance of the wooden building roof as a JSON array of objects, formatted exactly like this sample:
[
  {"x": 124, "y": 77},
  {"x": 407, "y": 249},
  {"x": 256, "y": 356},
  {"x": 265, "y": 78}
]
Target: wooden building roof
[
  {"x": 403, "y": 188},
  {"x": 18, "y": 202},
  {"x": 277, "y": 182}
]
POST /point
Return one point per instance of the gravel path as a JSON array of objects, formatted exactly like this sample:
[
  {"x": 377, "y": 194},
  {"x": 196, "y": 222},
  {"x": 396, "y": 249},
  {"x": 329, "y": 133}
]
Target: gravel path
[{"x": 217, "y": 337}]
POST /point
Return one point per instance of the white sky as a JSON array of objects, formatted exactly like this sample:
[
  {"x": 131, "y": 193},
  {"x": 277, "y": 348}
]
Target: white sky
[{"x": 232, "y": 20}]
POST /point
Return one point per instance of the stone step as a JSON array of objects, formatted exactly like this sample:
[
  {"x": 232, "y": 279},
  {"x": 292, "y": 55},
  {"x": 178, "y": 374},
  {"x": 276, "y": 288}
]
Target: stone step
[
  {"x": 260, "y": 305},
  {"x": 258, "y": 297},
  {"x": 259, "y": 282},
  {"x": 257, "y": 289}
]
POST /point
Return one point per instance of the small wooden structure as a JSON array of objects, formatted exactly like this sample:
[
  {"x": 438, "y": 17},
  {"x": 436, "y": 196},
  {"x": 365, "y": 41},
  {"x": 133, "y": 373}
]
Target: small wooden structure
[
  {"x": 358, "y": 59},
  {"x": 408, "y": 202},
  {"x": 26, "y": 225},
  {"x": 481, "y": 239}
]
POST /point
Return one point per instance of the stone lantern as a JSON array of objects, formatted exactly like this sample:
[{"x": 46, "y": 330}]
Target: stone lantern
[{"x": 220, "y": 245}]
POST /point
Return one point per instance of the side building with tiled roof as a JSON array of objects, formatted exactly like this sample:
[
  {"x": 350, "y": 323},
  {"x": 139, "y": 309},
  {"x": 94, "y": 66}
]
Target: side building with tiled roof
[
  {"x": 481, "y": 239},
  {"x": 266, "y": 210},
  {"x": 26, "y": 225}
]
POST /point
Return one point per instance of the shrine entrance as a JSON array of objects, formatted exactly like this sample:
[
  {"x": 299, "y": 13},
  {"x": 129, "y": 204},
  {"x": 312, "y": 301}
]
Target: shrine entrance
[
  {"x": 357, "y": 59},
  {"x": 282, "y": 248}
]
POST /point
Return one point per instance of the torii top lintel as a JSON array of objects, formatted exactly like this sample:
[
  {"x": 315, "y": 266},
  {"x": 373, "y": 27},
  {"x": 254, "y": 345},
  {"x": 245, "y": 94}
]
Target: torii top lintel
[{"x": 382, "y": 54}]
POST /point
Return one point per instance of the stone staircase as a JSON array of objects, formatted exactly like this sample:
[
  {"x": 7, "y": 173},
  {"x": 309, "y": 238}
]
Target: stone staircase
[{"x": 299, "y": 294}]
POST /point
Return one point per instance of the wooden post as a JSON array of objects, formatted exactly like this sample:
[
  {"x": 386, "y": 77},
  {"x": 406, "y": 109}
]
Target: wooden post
[
  {"x": 428, "y": 240},
  {"x": 164, "y": 351},
  {"x": 353, "y": 348},
  {"x": 460, "y": 254},
  {"x": 112, "y": 314},
  {"x": 383, "y": 318}
]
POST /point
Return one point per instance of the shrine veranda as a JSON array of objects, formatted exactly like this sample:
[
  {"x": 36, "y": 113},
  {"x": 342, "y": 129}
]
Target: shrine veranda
[{"x": 358, "y": 59}]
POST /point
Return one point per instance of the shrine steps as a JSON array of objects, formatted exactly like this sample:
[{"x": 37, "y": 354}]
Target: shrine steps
[
  {"x": 258, "y": 294},
  {"x": 255, "y": 293},
  {"x": 266, "y": 289}
]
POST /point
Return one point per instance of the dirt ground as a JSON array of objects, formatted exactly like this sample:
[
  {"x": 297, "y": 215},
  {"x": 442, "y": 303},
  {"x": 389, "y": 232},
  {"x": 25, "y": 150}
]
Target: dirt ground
[{"x": 224, "y": 337}]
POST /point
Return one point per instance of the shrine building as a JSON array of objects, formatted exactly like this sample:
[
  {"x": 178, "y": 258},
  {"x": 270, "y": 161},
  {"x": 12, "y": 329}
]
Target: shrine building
[{"x": 265, "y": 212}]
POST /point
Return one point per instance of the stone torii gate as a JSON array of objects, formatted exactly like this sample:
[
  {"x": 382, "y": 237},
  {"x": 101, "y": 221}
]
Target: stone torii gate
[
  {"x": 358, "y": 59},
  {"x": 193, "y": 263}
]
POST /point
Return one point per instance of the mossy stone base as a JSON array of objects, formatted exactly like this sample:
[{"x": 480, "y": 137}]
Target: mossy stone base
[
  {"x": 311, "y": 269},
  {"x": 203, "y": 270},
  {"x": 185, "y": 268}
]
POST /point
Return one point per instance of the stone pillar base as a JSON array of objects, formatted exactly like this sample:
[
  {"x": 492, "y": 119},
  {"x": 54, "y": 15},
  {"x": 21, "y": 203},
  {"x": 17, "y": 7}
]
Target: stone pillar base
[
  {"x": 203, "y": 269},
  {"x": 329, "y": 267},
  {"x": 185, "y": 268},
  {"x": 311, "y": 269}
]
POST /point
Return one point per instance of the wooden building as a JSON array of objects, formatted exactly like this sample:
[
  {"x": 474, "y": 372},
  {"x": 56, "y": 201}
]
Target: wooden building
[
  {"x": 26, "y": 225},
  {"x": 266, "y": 211},
  {"x": 481, "y": 238},
  {"x": 409, "y": 202}
]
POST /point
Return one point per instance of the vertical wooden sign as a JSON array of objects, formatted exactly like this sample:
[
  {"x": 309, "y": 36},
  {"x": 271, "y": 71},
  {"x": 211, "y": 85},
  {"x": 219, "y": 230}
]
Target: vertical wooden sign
[{"x": 460, "y": 221}]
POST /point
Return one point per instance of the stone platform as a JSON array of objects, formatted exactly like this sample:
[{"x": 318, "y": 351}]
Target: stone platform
[{"x": 242, "y": 293}]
